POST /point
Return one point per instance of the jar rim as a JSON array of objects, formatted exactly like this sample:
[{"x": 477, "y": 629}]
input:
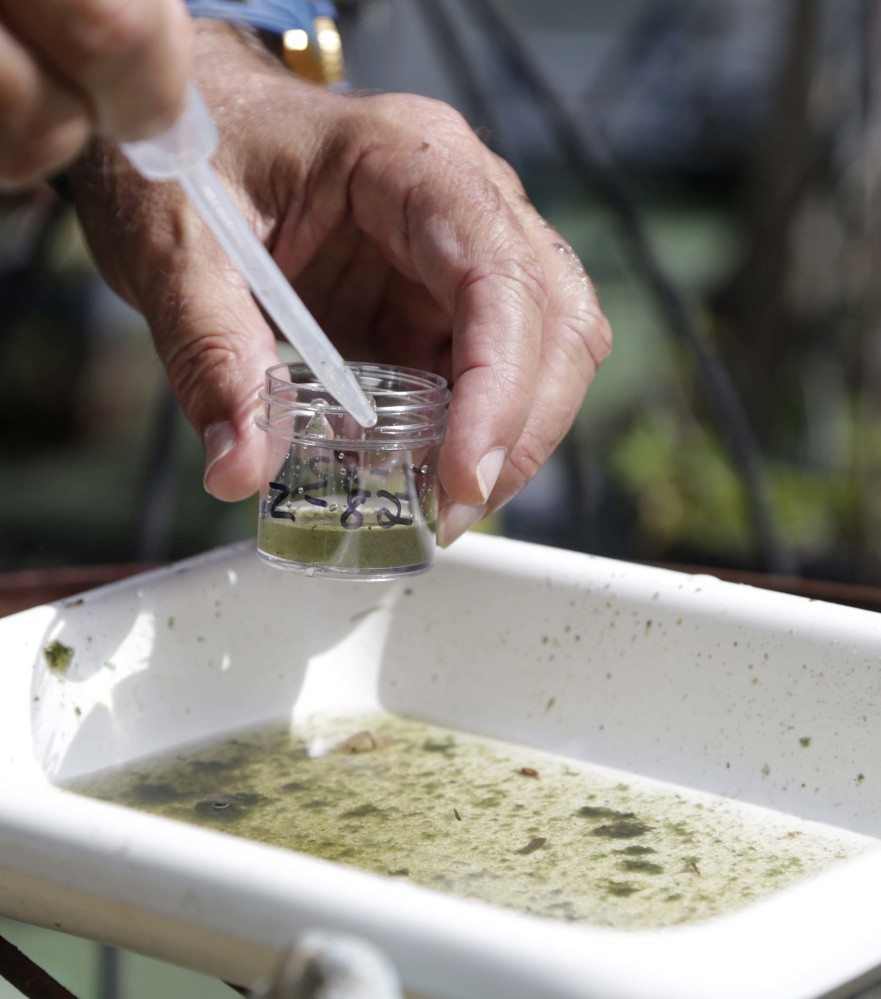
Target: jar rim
[
  {"x": 417, "y": 390},
  {"x": 410, "y": 405}
]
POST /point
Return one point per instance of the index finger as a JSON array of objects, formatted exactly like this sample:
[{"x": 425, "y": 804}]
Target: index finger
[{"x": 129, "y": 58}]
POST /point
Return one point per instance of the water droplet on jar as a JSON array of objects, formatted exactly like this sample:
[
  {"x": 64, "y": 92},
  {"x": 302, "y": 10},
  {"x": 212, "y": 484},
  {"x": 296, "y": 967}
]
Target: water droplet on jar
[
  {"x": 301, "y": 490},
  {"x": 424, "y": 469},
  {"x": 341, "y": 455},
  {"x": 332, "y": 507},
  {"x": 319, "y": 425}
]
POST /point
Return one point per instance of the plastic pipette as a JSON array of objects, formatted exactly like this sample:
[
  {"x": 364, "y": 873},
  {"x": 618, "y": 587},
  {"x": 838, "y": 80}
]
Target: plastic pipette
[{"x": 183, "y": 154}]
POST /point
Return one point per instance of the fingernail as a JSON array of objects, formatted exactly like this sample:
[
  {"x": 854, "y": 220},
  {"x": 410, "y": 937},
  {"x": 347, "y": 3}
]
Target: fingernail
[
  {"x": 218, "y": 440},
  {"x": 488, "y": 470},
  {"x": 454, "y": 520}
]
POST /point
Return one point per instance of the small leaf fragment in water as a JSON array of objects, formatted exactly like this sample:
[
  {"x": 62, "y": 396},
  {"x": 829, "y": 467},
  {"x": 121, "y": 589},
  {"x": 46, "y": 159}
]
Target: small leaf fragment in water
[
  {"x": 622, "y": 830},
  {"x": 536, "y": 843},
  {"x": 58, "y": 656},
  {"x": 364, "y": 742},
  {"x": 527, "y": 772},
  {"x": 641, "y": 866},
  {"x": 621, "y": 889},
  {"x": 456, "y": 813},
  {"x": 601, "y": 812},
  {"x": 362, "y": 811}
]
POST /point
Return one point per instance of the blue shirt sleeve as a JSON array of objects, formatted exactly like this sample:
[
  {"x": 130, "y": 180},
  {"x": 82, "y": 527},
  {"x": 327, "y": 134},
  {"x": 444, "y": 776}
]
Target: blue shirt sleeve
[{"x": 274, "y": 16}]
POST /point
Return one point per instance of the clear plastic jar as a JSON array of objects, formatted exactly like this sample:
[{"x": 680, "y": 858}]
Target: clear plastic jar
[{"x": 341, "y": 500}]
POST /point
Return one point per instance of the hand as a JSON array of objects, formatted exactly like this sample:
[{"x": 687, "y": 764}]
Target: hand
[
  {"x": 72, "y": 67},
  {"x": 410, "y": 242}
]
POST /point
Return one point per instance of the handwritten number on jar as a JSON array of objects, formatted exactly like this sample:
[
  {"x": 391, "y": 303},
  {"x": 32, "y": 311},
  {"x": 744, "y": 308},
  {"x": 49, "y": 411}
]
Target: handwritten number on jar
[
  {"x": 352, "y": 518},
  {"x": 320, "y": 485},
  {"x": 282, "y": 494},
  {"x": 320, "y": 473},
  {"x": 410, "y": 473},
  {"x": 384, "y": 517}
]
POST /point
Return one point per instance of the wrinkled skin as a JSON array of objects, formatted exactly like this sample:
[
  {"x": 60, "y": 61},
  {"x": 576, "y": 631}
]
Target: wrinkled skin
[
  {"x": 410, "y": 242},
  {"x": 70, "y": 68}
]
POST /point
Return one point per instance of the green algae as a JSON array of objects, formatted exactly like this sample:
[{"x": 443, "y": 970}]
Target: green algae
[
  {"x": 58, "y": 657},
  {"x": 329, "y": 545},
  {"x": 452, "y": 812}
]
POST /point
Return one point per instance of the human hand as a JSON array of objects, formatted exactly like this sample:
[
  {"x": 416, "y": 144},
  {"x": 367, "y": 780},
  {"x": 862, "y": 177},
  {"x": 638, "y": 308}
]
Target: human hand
[
  {"x": 410, "y": 242},
  {"x": 69, "y": 68}
]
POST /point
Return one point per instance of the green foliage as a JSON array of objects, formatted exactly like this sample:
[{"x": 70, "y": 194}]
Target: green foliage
[
  {"x": 684, "y": 487},
  {"x": 687, "y": 494}
]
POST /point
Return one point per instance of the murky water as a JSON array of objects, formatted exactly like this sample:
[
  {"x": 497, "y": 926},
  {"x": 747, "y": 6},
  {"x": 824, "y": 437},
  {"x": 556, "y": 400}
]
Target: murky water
[{"x": 486, "y": 820}]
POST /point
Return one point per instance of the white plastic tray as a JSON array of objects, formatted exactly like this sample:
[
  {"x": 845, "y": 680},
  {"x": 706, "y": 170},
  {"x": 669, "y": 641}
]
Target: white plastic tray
[{"x": 223, "y": 642}]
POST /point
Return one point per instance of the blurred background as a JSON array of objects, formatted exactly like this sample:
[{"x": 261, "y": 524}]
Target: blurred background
[{"x": 716, "y": 165}]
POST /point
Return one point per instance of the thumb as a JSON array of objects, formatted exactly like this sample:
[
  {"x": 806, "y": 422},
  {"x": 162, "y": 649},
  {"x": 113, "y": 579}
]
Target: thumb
[{"x": 215, "y": 346}]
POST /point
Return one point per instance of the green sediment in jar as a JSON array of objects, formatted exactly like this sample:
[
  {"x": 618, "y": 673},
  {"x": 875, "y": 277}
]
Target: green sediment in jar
[
  {"x": 485, "y": 819},
  {"x": 367, "y": 547}
]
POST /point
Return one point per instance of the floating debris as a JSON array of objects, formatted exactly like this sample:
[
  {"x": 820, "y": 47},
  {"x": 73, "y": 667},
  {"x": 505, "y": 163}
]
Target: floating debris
[
  {"x": 622, "y": 830},
  {"x": 58, "y": 657},
  {"x": 364, "y": 742},
  {"x": 602, "y": 812},
  {"x": 610, "y": 849},
  {"x": 536, "y": 843},
  {"x": 228, "y": 806}
]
